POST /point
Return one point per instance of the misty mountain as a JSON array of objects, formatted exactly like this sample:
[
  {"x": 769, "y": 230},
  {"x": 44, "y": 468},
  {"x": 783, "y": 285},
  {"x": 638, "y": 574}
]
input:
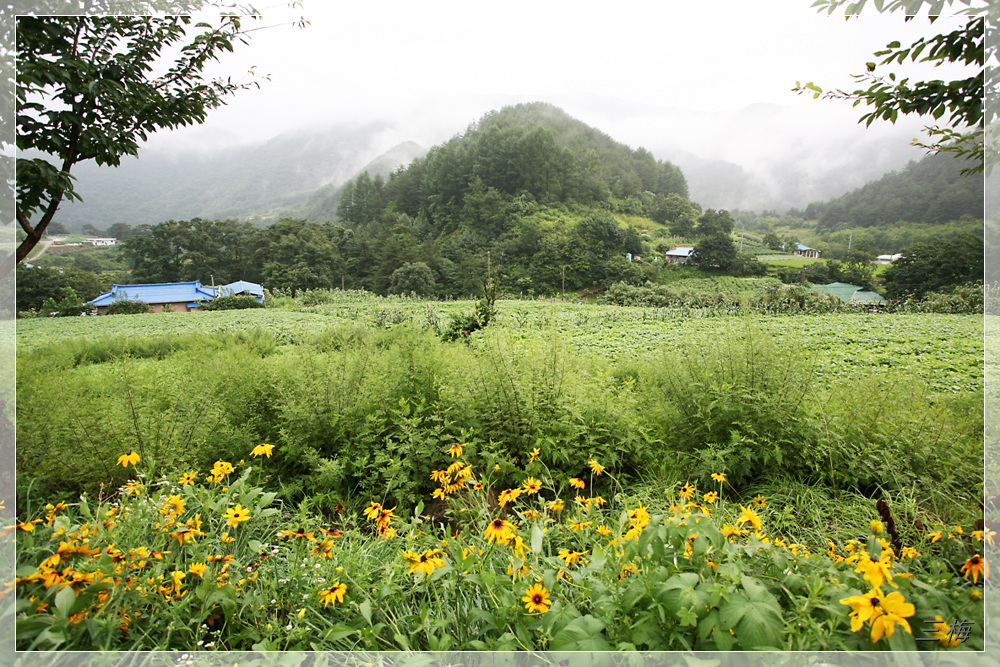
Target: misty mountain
[
  {"x": 322, "y": 203},
  {"x": 266, "y": 179},
  {"x": 761, "y": 157},
  {"x": 929, "y": 191}
]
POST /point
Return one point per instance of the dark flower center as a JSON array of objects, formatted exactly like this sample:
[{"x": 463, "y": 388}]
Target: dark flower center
[{"x": 537, "y": 598}]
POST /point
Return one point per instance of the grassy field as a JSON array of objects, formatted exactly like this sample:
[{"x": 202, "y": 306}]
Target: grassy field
[{"x": 329, "y": 474}]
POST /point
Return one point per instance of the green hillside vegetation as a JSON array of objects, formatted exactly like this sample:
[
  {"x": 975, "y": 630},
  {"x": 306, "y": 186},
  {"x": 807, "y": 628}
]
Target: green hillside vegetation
[{"x": 929, "y": 191}]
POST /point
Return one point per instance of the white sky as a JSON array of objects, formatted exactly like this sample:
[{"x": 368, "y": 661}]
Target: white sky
[{"x": 431, "y": 68}]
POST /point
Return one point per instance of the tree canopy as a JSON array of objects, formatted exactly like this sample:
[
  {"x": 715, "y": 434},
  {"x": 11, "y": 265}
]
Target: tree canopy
[
  {"x": 960, "y": 100},
  {"x": 94, "y": 87}
]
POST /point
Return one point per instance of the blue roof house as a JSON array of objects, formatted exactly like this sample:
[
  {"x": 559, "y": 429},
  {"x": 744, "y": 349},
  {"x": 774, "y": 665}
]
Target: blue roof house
[
  {"x": 242, "y": 288},
  {"x": 805, "y": 251},
  {"x": 162, "y": 297}
]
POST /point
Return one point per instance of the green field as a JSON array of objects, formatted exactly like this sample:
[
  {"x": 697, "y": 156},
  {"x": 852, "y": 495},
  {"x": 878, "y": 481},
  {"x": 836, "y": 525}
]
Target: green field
[{"x": 686, "y": 480}]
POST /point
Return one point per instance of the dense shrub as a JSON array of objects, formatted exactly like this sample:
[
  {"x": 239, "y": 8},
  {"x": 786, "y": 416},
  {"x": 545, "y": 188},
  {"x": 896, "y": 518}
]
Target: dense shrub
[
  {"x": 128, "y": 307},
  {"x": 232, "y": 302}
]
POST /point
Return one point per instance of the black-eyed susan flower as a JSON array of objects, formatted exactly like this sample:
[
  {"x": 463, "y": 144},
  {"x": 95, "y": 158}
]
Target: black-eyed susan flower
[
  {"x": 426, "y": 562},
  {"x": 876, "y": 571},
  {"x": 323, "y": 548},
  {"x": 130, "y": 459},
  {"x": 518, "y": 545},
  {"x": 863, "y": 608},
  {"x": 975, "y": 566},
  {"x": 500, "y": 530},
  {"x": 220, "y": 469},
  {"x": 532, "y": 486},
  {"x": 198, "y": 569},
  {"x": 687, "y": 491},
  {"x": 877, "y": 527},
  {"x": 536, "y": 599},
  {"x": 719, "y": 477},
  {"x": 751, "y": 517},
  {"x": 262, "y": 450},
  {"x": 333, "y": 594},
  {"x": 556, "y": 505},
  {"x": 895, "y": 610},
  {"x": 598, "y": 501},
  {"x": 455, "y": 451},
  {"x": 603, "y": 530},
  {"x": 570, "y": 556},
  {"x": 584, "y": 502},
  {"x": 509, "y": 496},
  {"x": 298, "y": 533},
  {"x": 595, "y": 467},
  {"x": 579, "y": 525},
  {"x": 439, "y": 494},
  {"x": 577, "y": 483},
  {"x": 534, "y": 455},
  {"x": 759, "y": 501},
  {"x": 235, "y": 515},
  {"x": 710, "y": 497},
  {"x": 188, "y": 478},
  {"x": 372, "y": 511}
]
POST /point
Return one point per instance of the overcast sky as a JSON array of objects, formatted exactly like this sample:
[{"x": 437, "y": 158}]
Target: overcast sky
[{"x": 431, "y": 68}]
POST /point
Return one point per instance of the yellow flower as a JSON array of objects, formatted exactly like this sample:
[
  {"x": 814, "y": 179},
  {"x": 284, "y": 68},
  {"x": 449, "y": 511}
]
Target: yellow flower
[
  {"x": 687, "y": 491},
  {"x": 262, "y": 450},
  {"x": 935, "y": 536},
  {"x": 584, "y": 502},
  {"x": 975, "y": 566},
  {"x": 579, "y": 525},
  {"x": 509, "y": 496},
  {"x": 598, "y": 501},
  {"x": 500, "y": 530},
  {"x": 198, "y": 568},
  {"x": 577, "y": 483},
  {"x": 596, "y": 467},
  {"x": 234, "y": 515},
  {"x": 425, "y": 562},
  {"x": 711, "y": 497},
  {"x": 719, "y": 476},
  {"x": 895, "y": 609},
  {"x": 604, "y": 530},
  {"x": 532, "y": 486},
  {"x": 220, "y": 469},
  {"x": 333, "y": 594},
  {"x": 518, "y": 546},
  {"x": 876, "y": 571},
  {"x": 455, "y": 451},
  {"x": 534, "y": 454},
  {"x": 373, "y": 511},
  {"x": 877, "y": 527},
  {"x": 863, "y": 607},
  {"x": 570, "y": 557},
  {"x": 298, "y": 532},
  {"x": 759, "y": 501},
  {"x": 188, "y": 478},
  {"x": 536, "y": 599},
  {"x": 125, "y": 460},
  {"x": 556, "y": 505},
  {"x": 225, "y": 539},
  {"x": 750, "y": 516}
]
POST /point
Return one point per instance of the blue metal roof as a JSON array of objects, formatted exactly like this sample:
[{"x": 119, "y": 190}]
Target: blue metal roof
[
  {"x": 799, "y": 246},
  {"x": 241, "y": 286},
  {"x": 190, "y": 293}
]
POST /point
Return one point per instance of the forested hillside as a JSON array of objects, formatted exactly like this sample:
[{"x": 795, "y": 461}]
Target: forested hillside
[
  {"x": 929, "y": 191},
  {"x": 527, "y": 188}
]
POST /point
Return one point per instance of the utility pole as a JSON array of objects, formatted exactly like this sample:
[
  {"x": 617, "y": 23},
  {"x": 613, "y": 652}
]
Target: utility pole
[{"x": 564, "y": 283}]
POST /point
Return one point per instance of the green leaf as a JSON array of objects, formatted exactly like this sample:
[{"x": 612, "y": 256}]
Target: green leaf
[
  {"x": 537, "y": 537},
  {"x": 366, "y": 610},
  {"x": 64, "y": 601},
  {"x": 337, "y": 632},
  {"x": 580, "y": 634}
]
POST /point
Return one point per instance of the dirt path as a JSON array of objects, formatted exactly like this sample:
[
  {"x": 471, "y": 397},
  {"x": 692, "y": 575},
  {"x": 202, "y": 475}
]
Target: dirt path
[{"x": 45, "y": 246}]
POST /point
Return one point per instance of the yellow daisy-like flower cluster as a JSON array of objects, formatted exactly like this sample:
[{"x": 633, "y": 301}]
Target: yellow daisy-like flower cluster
[{"x": 883, "y": 612}]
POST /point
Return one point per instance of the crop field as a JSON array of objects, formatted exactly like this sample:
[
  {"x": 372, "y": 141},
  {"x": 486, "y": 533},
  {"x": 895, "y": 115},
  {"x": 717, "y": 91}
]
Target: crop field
[
  {"x": 330, "y": 473},
  {"x": 945, "y": 351}
]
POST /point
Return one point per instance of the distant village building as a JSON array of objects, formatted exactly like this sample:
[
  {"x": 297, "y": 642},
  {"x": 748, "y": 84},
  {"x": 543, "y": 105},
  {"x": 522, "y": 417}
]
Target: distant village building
[
  {"x": 681, "y": 253},
  {"x": 101, "y": 241},
  {"x": 887, "y": 259},
  {"x": 805, "y": 251},
  {"x": 175, "y": 297},
  {"x": 162, "y": 297},
  {"x": 242, "y": 288}
]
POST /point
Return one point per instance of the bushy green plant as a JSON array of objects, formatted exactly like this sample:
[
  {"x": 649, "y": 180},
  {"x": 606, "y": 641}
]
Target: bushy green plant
[
  {"x": 128, "y": 307},
  {"x": 232, "y": 302},
  {"x": 69, "y": 306}
]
